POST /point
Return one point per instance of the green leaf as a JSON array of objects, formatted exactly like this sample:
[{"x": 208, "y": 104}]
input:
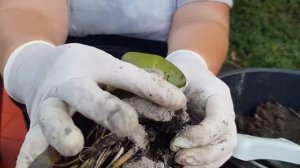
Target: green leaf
[{"x": 155, "y": 62}]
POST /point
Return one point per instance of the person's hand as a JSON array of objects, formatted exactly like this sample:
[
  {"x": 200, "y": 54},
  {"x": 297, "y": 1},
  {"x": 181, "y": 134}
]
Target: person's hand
[
  {"x": 54, "y": 82},
  {"x": 211, "y": 142}
]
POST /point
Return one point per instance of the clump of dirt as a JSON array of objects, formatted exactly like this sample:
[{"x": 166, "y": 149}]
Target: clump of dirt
[
  {"x": 148, "y": 147},
  {"x": 271, "y": 120},
  {"x": 144, "y": 162},
  {"x": 105, "y": 146},
  {"x": 160, "y": 135}
]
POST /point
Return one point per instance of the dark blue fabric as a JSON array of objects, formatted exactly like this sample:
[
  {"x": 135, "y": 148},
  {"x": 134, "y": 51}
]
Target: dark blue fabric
[{"x": 118, "y": 45}]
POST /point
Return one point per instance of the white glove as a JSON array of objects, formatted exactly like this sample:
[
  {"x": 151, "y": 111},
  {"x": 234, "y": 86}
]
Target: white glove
[
  {"x": 54, "y": 82},
  {"x": 212, "y": 141}
]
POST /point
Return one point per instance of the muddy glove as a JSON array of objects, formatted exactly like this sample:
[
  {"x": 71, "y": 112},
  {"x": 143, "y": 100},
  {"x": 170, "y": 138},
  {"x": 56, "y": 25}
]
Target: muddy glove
[
  {"x": 211, "y": 142},
  {"x": 54, "y": 82}
]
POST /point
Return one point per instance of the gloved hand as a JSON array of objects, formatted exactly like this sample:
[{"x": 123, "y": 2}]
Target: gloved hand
[
  {"x": 54, "y": 82},
  {"x": 212, "y": 141}
]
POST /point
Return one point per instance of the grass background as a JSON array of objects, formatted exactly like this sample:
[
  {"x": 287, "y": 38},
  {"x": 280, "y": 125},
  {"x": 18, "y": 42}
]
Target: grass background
[{"x": 265, "y": 33}]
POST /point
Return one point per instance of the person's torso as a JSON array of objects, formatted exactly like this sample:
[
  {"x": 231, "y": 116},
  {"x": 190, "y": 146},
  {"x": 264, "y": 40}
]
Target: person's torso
[{"x": 148, "y": 19}]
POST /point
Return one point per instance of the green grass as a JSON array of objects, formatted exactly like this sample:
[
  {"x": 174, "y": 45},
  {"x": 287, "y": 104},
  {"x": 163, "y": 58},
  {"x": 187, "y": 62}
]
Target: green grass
[{"x": 265, "y": 33}]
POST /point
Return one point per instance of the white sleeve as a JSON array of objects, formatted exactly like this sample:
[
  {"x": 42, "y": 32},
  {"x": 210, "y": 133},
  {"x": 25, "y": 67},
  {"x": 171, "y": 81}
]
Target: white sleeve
[{"x": 183, "y": 2}]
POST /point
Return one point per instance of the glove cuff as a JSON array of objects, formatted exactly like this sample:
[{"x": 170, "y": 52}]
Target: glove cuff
[
  {"x": 189, "y": 62},
  {"x": 9, "y": 69}
]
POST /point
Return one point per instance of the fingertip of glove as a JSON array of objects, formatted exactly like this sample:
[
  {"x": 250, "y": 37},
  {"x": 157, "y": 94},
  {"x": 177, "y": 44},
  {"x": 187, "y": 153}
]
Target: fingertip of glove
[
  {"x": 175, "y": 99},
  {"x": 123, "y": 121},
  {"x": 70, "y": 144},
  {"x": 184, "y": 158},
  {"x": 180, "y": 142},
  {"x": 180, "y": 101},
  {"x": 174, "y": 148}
]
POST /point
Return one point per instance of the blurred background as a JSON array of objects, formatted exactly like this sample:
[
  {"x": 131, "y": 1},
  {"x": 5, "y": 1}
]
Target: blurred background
[{"x": 265, "y": 33}]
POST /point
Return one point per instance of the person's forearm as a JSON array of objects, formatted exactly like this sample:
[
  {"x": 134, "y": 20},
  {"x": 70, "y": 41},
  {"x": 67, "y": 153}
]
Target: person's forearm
[
  {"x": 24, "y": 21},
  {"x": 207, "y": 39},
  {"x": 208, "y": 36}
]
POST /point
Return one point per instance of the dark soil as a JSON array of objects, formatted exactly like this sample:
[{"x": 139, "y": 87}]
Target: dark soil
[
  {"x": 160, "y": 136},
  {"x": 271, "y": 120}
]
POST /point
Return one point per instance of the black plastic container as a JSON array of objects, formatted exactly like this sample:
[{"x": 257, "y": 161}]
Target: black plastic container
[{"x": 249, "y": 87}]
